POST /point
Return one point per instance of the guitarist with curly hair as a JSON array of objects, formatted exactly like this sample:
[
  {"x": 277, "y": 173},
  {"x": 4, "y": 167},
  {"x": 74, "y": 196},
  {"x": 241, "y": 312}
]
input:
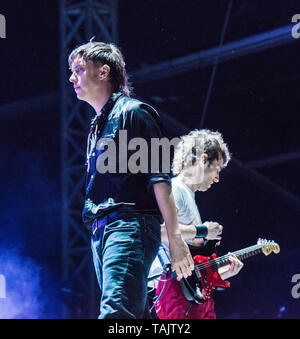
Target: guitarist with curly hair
[{"x": 198, "y": 160}]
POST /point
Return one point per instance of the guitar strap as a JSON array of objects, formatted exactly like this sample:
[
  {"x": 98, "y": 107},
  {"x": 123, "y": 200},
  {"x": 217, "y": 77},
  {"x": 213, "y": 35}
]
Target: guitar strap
[{"x": 186, "y": 290}]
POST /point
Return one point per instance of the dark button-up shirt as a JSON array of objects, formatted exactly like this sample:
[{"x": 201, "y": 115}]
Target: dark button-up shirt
[{"x": 119, "y": 188}]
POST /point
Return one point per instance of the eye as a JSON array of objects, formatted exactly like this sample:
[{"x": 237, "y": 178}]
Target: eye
[{"x": 78, "y": 70}]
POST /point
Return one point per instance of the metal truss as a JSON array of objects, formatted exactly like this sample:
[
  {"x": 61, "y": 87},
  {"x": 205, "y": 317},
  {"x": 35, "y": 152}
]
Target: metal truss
[
  {"x": 79, "y": 22},
  {"x": 232, "y": 50}
]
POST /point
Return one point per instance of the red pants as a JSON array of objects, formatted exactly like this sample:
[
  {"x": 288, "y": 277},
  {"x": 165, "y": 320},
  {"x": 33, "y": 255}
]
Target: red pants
[{"x": 173, "y": 304}]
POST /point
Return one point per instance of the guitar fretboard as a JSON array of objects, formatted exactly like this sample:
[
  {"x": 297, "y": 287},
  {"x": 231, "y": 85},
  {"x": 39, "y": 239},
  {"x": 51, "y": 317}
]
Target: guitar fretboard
[{"x": 241, "y": 255}]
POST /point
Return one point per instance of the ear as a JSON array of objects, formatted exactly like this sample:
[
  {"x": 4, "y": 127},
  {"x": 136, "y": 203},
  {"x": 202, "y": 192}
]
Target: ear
[
  {"x": 204, "y": 158},
  {"x": 104, "y": 72}
]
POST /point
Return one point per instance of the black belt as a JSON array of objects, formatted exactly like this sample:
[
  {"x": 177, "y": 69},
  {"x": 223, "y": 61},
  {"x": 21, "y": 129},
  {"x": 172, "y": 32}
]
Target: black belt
[{"x": 102, "y": 222}]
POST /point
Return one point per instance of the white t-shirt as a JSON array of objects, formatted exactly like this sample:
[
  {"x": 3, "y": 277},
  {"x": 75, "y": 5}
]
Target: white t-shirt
[
  {"x": 187, "y": 213},
  {"x": 187, "y": 210}
]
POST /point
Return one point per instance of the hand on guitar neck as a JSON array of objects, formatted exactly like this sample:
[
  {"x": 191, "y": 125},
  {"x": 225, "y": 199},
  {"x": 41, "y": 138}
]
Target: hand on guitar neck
[{"x": 232, "y": 269}]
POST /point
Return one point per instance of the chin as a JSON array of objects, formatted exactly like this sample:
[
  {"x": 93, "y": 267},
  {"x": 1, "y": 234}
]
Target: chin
[
  {"x": 205, "y": 188},
  {"x": 79, "y": 93},
  {"x": 202, "y": 189},
  {"x": 80, "y": 97}
]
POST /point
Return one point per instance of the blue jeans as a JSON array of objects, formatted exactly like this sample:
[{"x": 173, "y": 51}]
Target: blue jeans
[{"x": 123, "y": 252}]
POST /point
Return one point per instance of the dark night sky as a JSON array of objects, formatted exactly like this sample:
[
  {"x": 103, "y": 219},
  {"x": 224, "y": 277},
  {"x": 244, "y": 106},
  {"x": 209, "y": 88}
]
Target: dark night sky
[{"x": 254, "y": 103}]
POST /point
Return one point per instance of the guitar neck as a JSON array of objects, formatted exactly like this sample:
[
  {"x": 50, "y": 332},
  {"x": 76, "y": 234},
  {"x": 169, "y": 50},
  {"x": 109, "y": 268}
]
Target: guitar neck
[{"x": 241, "y": 255}]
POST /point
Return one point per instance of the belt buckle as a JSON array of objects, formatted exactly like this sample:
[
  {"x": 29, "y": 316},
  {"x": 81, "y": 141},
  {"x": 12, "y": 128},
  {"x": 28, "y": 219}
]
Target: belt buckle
[
  {"x": 95, "y": 228},
  {"x": 103, "y": 220}
]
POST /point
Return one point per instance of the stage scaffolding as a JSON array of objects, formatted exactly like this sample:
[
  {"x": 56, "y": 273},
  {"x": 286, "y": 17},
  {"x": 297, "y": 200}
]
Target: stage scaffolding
[{"x": 79, "y": 22}]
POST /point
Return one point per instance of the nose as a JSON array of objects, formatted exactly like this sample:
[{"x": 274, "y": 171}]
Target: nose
[
  {"x": 217, "y": 178},
  {"x": 73, "y": 78}
]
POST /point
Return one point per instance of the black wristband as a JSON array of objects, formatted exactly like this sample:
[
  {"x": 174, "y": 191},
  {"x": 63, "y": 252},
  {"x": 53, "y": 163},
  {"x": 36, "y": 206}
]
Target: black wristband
[{"x": 201, "y": 231}]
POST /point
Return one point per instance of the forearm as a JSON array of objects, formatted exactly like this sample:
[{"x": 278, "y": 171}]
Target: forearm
[
  {"x": 188, "y": 232},
  {"x": 166, "y": 204},
  {"x": 181, "y": 259}
]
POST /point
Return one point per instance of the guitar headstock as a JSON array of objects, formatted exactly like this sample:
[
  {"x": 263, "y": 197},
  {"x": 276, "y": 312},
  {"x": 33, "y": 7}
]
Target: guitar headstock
[{"x": 268, "y": 246}]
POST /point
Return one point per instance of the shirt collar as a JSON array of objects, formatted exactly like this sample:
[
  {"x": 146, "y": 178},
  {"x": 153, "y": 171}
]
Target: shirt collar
[{"x": 110, "y": 103}]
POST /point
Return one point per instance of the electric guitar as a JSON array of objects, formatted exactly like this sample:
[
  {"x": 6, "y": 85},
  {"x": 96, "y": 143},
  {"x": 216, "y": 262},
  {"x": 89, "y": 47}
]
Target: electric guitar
[{"x": 205, "y": 278}]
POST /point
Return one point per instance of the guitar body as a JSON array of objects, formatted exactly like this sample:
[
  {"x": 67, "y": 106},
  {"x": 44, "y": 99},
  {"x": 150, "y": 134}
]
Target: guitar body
[
  {"x": 208, "y": 275},
  {"x": 201, "y": 283}
]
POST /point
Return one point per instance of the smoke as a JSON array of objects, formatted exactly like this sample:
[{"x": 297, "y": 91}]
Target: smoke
[
  {"x": 29, "y": 239},
  {"x": 31, "y": 291},
  {"x": 23, "y": 293}
]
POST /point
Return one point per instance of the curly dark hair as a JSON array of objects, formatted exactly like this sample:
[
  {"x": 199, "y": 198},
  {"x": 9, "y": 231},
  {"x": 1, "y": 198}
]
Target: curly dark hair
[{"x": 197, "y": 142}]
